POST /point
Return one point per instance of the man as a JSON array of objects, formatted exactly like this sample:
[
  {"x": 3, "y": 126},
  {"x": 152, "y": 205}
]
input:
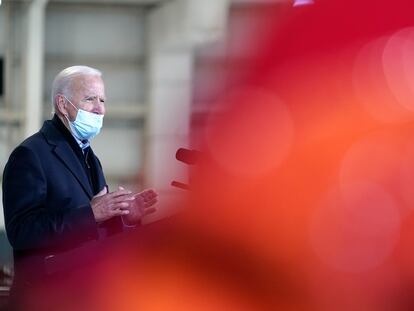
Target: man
[{"x": 55, "y": 196}]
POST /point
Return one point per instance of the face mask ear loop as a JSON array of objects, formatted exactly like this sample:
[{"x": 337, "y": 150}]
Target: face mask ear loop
[
  {"x": 66, "y": 115},
  {"x": 77, "y": 109}
]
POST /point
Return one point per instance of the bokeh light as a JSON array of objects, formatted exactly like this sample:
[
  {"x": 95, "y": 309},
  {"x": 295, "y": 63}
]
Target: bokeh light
[
  {"x": 252, "y": 133},
  {"x": 356, "y": 227},
  {"x": 398, "y": 66},
  {"x": 372, "y": 86},
  {"x": 303, "y": 199}
]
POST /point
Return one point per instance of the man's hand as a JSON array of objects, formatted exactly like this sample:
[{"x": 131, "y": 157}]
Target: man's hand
[
  {"x": 141, "y": 204},
  {"x": 107, "y": 205}
]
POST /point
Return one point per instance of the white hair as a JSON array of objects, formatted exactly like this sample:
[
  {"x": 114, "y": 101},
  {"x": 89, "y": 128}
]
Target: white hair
[{"x": 62, "y": 84}]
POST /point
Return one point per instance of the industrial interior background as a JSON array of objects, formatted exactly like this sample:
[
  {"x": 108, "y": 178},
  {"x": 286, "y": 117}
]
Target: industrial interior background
[{"x": 163, "y": 62}]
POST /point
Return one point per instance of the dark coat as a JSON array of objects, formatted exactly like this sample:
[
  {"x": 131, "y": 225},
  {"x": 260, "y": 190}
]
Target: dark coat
[{"x": 46, "y": 201}]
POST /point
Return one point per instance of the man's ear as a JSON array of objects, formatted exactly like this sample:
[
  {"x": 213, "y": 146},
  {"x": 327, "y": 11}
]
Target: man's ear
[{"x": 60, "y": 104}]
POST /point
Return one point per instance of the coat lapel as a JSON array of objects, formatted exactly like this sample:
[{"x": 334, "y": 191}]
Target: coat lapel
[
  {"x": 98, "y": 169},
  {"x": 66, "y": 155}
]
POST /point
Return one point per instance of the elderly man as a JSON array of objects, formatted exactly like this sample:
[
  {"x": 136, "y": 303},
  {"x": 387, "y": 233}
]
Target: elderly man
[{"x": 55, "y": 196}]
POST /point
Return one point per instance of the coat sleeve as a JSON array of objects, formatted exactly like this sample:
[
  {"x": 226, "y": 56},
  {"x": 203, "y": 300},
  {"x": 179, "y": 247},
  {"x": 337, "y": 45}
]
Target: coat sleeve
[{"x": 31, "y": 223}]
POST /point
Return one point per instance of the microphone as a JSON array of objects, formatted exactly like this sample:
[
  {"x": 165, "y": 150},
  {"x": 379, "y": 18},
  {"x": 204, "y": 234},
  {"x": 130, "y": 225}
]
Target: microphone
[
  {"x": 188, "y": 156},
  {"x": 180, "y": 185}
]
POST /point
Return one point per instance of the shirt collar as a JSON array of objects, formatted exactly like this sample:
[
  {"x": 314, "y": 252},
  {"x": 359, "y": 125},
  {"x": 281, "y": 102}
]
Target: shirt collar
[{"x": 82, "y": 143}]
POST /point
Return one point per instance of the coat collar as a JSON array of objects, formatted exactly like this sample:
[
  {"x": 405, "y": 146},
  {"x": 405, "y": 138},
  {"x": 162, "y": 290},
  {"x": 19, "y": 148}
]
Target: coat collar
[{"x": 61, "y": 146}]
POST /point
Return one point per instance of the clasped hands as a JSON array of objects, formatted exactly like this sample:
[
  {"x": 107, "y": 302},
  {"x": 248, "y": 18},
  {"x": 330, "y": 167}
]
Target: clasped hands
[{"x": 131, "y": 206}]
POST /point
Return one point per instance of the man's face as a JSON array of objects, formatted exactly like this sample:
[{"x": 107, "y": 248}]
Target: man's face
[{"x": 88, "y": 93}]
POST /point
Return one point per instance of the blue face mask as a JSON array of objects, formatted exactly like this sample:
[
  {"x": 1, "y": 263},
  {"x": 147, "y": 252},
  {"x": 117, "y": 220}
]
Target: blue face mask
[{"x": 86, "y": 125}]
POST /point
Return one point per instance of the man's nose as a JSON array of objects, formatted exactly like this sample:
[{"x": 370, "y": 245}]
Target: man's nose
[{"x": 100, "y": 108}]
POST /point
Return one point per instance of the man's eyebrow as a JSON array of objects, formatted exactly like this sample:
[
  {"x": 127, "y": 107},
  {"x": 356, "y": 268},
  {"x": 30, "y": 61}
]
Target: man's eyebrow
[
  {"x": 95, "y": 97},
  {"x": 91, "y": 96}
]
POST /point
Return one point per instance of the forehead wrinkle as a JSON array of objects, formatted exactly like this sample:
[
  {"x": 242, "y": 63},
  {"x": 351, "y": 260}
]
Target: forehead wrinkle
[{"x": 89, "y": 86}]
